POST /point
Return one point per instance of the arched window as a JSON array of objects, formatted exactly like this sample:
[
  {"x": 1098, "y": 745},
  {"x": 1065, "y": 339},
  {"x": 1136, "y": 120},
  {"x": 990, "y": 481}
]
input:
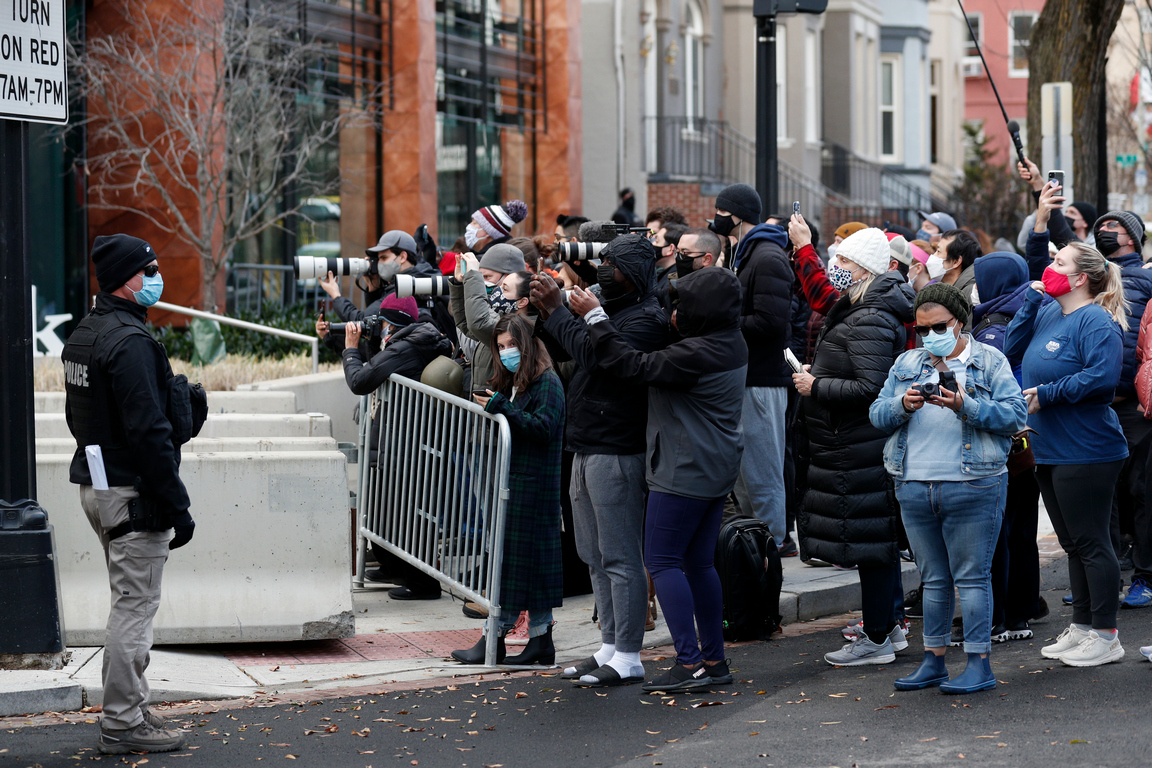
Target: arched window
[{"x": 693, "y": 60}]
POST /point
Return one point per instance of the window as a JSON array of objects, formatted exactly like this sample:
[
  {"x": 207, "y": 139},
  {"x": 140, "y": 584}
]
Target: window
[
  {"x": 693, "y": 61},
  {"x": 781, "y": 83},
  {"x": 1019, "y": 33},
  {"x": 889, "y": 108},
  {"x": 811, "y": 91},
  {"x": 976, "y": 36}
]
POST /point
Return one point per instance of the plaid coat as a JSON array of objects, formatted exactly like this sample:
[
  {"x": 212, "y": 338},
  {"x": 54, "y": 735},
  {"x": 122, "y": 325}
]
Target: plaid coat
[{"x": 532, "y": 577}]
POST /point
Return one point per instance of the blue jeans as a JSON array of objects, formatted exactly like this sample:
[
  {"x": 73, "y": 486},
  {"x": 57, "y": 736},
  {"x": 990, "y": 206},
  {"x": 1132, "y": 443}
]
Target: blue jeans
[
  {"x": 953, "y": 528},
  {"x": 679, "y": 546},
  {"x": 538, "y": 621},
  {"x": 760, "y": 485}
]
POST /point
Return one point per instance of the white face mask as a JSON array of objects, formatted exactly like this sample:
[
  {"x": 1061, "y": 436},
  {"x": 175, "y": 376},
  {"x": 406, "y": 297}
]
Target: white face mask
[
  {"x": 831, "y": 253},
  {"x": 935, "y": 266},
  {"x": 975, "y": 295},
  {"x": 471, "y": 235}
]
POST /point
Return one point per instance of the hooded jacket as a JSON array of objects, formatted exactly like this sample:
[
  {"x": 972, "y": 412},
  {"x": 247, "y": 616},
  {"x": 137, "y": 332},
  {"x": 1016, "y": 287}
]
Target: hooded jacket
[
  {"x": 1002, "y": 278},
  {"x": 604, "y": 410},
  {"x": 849, "y": 514},
  {"x": 766, "y": 281},
  {"x": 1137, "y": 290},
  {"x": 696, "y": 395}
]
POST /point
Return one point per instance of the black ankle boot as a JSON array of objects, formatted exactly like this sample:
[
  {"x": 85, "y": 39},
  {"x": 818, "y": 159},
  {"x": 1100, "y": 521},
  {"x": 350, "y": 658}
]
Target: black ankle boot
[
  {"x": 475, "y": 654},
  {"x": 539, "y": 650}
]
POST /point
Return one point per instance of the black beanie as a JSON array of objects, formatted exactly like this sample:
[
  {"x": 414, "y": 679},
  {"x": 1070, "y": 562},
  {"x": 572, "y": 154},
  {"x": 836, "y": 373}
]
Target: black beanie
[
  {"x": 118, "y": 258},
  {"x": 946, "y": 296},
  {"x": 742, "y": 200}
]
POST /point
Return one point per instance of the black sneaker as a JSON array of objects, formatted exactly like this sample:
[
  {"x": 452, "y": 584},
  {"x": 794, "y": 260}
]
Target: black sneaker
[
  {"x": 914, "y": 604},
  {"x": 1019, "y": 631},
  {"x": 720, "y": 673},
  {"x": 789, "y": 548},
  {"x": 1000, "y": 634},
  {"x": 681, "y": 679}
]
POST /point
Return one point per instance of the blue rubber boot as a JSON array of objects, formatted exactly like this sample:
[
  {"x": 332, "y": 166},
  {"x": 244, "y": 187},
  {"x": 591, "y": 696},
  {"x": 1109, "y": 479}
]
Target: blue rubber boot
[
  {"x": 977, "y": 676},
  {"x": 930, "y": 672}
]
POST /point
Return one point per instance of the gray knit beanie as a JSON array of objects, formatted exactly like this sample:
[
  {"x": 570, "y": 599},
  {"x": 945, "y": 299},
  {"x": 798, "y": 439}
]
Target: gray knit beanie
[{"x": 1131, "y": 223}]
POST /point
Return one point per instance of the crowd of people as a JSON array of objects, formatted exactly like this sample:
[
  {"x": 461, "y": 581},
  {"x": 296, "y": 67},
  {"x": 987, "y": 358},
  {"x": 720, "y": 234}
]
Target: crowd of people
[{"x": 895, "y": 395}]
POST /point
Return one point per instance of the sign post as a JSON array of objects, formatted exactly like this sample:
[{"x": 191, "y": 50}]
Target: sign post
[
  {"x": 33, "y": 88},
  {"x": 1056, "y": 132}
]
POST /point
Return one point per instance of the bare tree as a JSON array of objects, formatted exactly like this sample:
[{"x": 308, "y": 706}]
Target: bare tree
[
  {"x": 201, "y": 121},
  {"x": 1069, "y": 43}
]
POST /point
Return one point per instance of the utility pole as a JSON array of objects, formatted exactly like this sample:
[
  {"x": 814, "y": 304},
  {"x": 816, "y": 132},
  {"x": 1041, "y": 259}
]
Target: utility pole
[{"x": 767, "y": 168}]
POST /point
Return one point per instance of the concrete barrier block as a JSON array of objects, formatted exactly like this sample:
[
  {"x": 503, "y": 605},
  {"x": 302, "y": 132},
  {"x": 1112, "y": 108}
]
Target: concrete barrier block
[
  {"x": 67, "y": 445},
  {"x": 251, "y": 401},
  {"x": 26, "y": 693},
  {"x": 258, "y": 425},
  {"x": 271, "y": 559},
  {"x": 320, "y": 393}
]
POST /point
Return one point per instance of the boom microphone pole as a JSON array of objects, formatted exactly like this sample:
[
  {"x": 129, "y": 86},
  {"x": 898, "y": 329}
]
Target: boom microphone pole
[{"x": 1012, "y": 125}]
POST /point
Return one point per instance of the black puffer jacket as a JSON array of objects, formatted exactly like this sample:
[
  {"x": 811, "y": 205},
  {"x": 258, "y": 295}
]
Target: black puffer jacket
[
  {"x": 766, "y": 280},
  {"x": 849, "y": 511},
  {"x": 606, "y": 414}
]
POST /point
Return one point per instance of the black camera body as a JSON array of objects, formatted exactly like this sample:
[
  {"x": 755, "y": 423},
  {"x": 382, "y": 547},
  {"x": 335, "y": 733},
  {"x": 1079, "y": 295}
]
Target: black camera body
[
  {"x": 945, "y": 380},
  {"x": 371, "y": 327}
]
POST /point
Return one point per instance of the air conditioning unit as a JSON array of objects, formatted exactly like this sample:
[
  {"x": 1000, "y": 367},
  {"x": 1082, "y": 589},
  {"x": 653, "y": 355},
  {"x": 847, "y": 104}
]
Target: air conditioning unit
[{"x": 972, "y": 66}]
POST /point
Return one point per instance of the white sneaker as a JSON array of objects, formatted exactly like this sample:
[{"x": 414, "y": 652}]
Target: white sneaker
[
  {"x": 1146, "y": 652},
  {"x": 1068, "y": 639},
  {"x": 862, "y": 651},
  {"x": 1094, "y": 650}
]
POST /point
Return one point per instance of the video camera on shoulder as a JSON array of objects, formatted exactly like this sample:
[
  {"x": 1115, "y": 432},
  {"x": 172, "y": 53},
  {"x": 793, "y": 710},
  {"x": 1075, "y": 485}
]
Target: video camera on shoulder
[{"x": 593, "y": 236}]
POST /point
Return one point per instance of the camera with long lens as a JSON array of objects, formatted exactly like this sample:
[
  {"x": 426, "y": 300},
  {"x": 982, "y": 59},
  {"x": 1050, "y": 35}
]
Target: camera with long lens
[
  {"x": 309, "y": 267},
  {"x": 592, "y": 236},
  {"x": 371, "y": 327},
  {"x": 407, "y": 285}
]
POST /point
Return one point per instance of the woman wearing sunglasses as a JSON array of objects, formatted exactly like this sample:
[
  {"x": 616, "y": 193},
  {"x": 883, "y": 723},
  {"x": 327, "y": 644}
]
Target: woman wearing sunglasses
[{"x": 951, "y": 408}]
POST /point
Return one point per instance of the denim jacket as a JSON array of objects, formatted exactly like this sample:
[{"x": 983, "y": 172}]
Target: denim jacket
[{"x": 993, "y": 409}]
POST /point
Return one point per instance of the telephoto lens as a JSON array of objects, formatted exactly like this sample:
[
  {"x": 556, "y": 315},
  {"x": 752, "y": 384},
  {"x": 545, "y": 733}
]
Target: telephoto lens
[
  {"x": 370, "y": 327},
  {"x": 309, "y": 267},
  {"x": 570, "y": 252},
  {"x": 407, "y": 285}
]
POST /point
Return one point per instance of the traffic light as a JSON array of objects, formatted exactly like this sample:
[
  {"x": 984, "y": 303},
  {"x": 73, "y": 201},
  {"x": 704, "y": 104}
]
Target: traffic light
[{"x": 775, "y": 7}]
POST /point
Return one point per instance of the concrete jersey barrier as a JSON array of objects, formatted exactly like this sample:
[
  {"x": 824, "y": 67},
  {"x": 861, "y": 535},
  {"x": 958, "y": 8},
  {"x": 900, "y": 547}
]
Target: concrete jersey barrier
[
  {"x": 218, "y": 402},
  {"x": 252, "y": 425},
  {"x": 46, "y": 445}
]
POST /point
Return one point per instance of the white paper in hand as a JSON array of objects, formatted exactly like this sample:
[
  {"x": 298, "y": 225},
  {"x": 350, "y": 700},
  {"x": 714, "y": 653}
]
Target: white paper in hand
[
  {"x": 96, "y": 467},
  {"x": 793, "y": 363}
]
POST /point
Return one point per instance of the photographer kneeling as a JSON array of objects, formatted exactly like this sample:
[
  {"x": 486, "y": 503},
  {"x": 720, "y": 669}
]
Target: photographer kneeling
[{"x": 406, "y": 347}]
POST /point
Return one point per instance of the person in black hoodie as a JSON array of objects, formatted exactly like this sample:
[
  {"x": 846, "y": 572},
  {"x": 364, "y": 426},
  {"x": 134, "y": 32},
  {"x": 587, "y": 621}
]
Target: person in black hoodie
[
  {"x": 694, "y": 444},
  {"x": 766, "y": 281},
  {"x": 849, "y": 514},
  {"x": 605, "y": 431},
  {"x": 408, "y": 346}
]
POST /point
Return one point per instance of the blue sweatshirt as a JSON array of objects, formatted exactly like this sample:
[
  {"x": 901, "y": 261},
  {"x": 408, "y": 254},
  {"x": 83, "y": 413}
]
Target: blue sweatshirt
[{"x": 1074, "y": 362}]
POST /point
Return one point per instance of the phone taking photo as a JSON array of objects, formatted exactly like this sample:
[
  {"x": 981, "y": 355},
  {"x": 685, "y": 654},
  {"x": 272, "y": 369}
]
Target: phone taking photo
[
  {"x": 1056, "y": 178},
  {"x": 796, "y": 208}
]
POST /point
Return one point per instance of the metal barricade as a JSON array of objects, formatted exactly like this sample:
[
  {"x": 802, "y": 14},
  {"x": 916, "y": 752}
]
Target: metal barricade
[{"x": 434, "y": 489}]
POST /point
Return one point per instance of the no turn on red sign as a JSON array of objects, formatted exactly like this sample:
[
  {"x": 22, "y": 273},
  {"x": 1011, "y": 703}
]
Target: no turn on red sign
[{"x": 33, "y": 63}]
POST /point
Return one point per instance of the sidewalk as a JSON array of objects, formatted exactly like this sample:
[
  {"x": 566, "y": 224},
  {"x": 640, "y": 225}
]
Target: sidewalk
[{"x": 396, "y": 642}]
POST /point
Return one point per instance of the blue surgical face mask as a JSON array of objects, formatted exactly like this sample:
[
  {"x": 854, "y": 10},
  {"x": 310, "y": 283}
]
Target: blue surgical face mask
[
  {"x": 149, "y": 294},
  {"x": 923, "y": 234},
  {"x": 941, "y": 344},
  {"x": 510, "y": 359}
]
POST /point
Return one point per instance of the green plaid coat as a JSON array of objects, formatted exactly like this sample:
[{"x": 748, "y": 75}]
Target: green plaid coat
[{"x": 532, "y": 577}]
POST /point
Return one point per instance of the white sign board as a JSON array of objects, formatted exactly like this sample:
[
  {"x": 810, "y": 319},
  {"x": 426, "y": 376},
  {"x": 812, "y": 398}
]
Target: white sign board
[{"x": 33, "y": 63}]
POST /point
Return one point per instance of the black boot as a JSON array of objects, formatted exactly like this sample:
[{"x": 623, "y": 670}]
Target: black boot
[
  {"x": 475, "y": 654},
  {"x": 539, "y": 650}
]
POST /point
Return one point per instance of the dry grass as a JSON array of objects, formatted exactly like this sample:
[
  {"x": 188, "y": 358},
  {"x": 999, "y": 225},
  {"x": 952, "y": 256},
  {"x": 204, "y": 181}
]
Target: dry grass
[{"x": 223, "y": 376}]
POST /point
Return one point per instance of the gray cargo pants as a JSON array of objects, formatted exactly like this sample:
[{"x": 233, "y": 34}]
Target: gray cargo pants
[
  {"x": 608, "y": 517},
  {"x": 135, "y": 566}
]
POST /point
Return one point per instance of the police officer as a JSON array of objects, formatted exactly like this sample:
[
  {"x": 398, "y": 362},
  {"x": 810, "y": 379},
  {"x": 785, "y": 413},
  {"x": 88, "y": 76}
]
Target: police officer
[{"x": 117, "y": 380}]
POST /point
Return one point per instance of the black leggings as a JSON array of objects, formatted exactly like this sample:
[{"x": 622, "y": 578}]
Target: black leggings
[
  {"x": 878, "y": 583},
  {"x": 1016, "y": 563},
  {"x": 1079, "y": 502}
]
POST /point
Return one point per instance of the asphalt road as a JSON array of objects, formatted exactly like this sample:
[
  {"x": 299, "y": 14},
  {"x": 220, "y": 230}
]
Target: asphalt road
[{"x": 788, "y": 708}]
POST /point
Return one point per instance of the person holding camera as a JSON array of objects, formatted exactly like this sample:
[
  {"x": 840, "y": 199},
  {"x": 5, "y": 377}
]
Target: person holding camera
[
  {"x": 527, "y": 391},
  {"x": 478, "y": 302},
  {"x": 406, "y": 347},
  {"x": 606, "y": 433},
  {"x": 119, "y": 387},
  {"x": 950, "y": 408}
]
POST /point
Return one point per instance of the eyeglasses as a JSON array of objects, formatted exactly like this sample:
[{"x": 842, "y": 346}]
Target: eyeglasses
[
  {"x": 691, "y": 254},
  {"x": 922, "y": 330},
  {"x": 151, "y": 270},
  {"x": 565, "y": 239}
]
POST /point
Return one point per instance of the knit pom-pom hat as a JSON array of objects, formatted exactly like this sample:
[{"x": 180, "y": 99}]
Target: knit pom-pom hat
[{"x": 498, "y": 220}]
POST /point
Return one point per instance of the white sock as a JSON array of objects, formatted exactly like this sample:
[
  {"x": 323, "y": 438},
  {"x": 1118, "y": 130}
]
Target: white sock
[
  {"x": 606, "y": 652},
  {"x": 627, "y": 664},
  {"x": 1082, "y": 627}
]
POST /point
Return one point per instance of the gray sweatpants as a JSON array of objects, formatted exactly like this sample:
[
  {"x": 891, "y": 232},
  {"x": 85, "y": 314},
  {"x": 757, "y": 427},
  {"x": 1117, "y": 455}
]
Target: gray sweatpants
[
  {"x": 135, "y": 567},
  {"x": 760, "y": 485},
  {"x": 608, "y": 517}
]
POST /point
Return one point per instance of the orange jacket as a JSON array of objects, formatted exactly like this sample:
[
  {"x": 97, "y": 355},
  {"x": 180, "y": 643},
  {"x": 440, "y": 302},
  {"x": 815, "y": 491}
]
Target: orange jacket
[{"x": 1144, "y": 362}]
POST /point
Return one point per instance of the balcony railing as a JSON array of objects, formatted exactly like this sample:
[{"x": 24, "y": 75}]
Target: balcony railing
[{"x": 873, "y": 193}]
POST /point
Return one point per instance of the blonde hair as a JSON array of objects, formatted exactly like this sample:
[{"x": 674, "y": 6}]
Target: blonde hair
[
  {"x": 858, "y": 290},
  {"x": 1104, "y": 283}
]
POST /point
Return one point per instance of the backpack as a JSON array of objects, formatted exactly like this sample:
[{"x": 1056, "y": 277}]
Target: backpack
[{"x": 751, "y": 576}]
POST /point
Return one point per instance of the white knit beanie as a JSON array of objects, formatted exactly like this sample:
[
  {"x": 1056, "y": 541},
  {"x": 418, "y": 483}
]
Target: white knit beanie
[{"x": 868, "y": 248}]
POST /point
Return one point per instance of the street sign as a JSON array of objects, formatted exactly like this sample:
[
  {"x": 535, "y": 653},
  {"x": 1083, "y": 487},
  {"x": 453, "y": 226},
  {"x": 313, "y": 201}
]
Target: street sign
[
  {"x": 33, "y": 61},
  {"x": 1126, "y": 161}
]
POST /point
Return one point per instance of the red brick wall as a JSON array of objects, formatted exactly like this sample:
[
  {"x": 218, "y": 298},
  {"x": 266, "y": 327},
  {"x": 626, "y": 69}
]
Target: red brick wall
[{"x": 684, "y": 197}]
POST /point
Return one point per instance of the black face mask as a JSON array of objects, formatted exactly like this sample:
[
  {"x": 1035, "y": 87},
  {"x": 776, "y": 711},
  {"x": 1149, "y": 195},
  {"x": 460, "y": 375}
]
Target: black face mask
[
  {"x": 609, "y": 288},
  {"x": 723, "y": 225},
  {"x": 1107, "y": 242},
  {"x": 685, "y": 265}
]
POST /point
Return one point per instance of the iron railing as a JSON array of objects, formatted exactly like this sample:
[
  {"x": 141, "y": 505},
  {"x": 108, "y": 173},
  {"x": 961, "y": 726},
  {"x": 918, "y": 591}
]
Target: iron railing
[
  {"x": 873, "y": 193},
  {"x": 434, "y": 489},
  {"x": 247, "y": 326},
  {"x": 694, "y": 149}
]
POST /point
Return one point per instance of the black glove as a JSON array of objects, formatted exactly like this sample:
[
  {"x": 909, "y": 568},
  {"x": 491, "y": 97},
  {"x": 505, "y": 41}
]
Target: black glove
[{"x": 185, "y": 526}]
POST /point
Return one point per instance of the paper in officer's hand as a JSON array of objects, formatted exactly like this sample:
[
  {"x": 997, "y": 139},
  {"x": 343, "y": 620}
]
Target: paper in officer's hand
[{"x": 96, "y": 467}]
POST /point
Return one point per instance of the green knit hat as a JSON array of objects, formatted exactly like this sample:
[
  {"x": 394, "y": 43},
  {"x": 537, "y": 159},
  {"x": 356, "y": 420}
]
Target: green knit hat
[{"x": 946, "y": 296}]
